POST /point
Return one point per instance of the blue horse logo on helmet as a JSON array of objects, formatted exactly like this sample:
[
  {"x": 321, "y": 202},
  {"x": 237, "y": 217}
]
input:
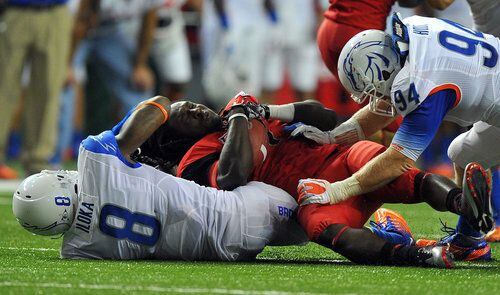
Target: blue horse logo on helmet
[{"x": 373, "y": 68}]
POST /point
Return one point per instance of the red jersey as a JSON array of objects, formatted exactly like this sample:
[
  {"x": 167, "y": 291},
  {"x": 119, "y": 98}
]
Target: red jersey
[
  {"x": 364, "y": 14},
  {"x": 287, "y": 160}
]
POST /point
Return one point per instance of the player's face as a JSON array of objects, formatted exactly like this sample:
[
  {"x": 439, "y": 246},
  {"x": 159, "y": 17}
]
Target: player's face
[{"x": 193, "y": 119}]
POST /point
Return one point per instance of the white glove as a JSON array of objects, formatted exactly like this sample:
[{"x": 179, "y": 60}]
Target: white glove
[
  {"x": 313, "y": 191},
  {"x": 346, "y": 133},
  {"x": 313, "y": 133}
]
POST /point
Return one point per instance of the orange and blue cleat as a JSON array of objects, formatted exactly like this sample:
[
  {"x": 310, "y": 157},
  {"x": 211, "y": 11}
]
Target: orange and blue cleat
[
  {"x": 461, "y": 246},
  {"x": 494, "y": 235},
  {"x": 392, "y": 227}
]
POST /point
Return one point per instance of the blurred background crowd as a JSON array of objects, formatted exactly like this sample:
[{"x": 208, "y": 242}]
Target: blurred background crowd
[{"x": 69, "y": 68}]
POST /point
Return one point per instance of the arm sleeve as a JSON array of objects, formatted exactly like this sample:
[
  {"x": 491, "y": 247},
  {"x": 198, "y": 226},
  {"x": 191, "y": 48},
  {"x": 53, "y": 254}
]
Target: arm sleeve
[{"x": 421, "y": 125}]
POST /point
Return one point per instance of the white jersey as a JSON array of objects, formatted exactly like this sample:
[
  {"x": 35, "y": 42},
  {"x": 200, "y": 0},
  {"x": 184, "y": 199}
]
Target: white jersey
[
  {"x": 486, "y": 14},
  {"x": 133, "y": 211},
  {"x": 445, "y": 55},
  {"x": 297, "y": 21}
]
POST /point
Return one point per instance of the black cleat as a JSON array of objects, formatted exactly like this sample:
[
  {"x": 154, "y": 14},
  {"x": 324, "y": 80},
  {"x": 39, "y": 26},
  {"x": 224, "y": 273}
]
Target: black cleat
[{"x": 477, "y": 193}]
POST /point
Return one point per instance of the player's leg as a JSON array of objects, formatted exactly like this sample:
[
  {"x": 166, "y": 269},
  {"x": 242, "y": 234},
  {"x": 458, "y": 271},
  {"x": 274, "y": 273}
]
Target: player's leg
[
  {"x": 303, "y": 64},
  {"x": 48, "y": 70},
  {"x": 362, "y": 246},
  {"x": 414, "y": 186},
  {"x": 273, "y": 70},
  {"x": 170, "y": 53},
  {"x": 339, "y": 228},
  {"x": 269, "y": 217},
  {"x": 479, "y": 144},
  {"x": 14, "y": 44}
]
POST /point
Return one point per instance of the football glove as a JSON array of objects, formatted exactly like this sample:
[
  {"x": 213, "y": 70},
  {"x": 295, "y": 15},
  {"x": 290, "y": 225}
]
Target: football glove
[
  {"x": 346, "y": 133},
  {"x": 313, "y": 191},
  {"x": 250, "y": 105},
  {"x": 310, "y": 132}
]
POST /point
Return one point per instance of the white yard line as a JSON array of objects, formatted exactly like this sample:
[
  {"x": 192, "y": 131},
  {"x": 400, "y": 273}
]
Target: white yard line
[
  {"x": 5, "y": 201},
  {"x": 128, "y": 288},
  {"x": 29, "y": 249}
]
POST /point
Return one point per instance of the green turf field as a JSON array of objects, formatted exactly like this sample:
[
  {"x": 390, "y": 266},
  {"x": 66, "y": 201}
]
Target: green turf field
[{"x": 30, "y": 264}]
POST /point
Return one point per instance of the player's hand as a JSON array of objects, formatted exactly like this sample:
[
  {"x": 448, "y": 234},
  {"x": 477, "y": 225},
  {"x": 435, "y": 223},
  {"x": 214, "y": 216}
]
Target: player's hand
[
  {"x": 313, "y": 191},
  {"x": 241, "y": 99},
  {"x": 309, "y": 132},
  {"x": 143, "y": 78}
]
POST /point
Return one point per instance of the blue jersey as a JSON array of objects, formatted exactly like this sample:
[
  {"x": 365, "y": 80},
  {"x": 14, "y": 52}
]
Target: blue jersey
[{"x": 421, "y": 125}]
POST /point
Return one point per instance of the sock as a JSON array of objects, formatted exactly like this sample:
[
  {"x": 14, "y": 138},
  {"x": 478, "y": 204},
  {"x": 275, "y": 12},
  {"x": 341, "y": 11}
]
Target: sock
[
  {"x": 400, "y": 255},
  {"x": 464, "y": 228},
  {"x": 495, "y": 193}
]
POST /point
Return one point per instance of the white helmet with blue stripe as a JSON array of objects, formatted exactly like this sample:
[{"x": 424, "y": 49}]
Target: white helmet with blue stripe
[
  {"x": 44, "y": 202},
  {"x": 367, "y": 66}
]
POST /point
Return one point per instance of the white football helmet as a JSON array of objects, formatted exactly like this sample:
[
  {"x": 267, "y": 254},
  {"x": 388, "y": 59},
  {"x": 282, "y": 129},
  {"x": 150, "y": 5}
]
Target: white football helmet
[
  {"x": 44, "y": 202},
  {"x": 367, "y": 66}
]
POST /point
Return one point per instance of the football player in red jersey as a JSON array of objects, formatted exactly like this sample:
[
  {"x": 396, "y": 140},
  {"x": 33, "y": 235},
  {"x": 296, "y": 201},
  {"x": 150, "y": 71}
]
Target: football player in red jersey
[
  {"x": 345, "y": 18},
  {"x": 226, "y": 159}
]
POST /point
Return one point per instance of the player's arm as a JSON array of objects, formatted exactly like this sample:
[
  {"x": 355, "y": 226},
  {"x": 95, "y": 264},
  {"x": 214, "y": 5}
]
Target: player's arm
[
  {"x": 142, "y": 75},
  {"x": 85, "y": 19},
  {"x": 235, "y": 162},
  {"x": 140, "y": 124},
  {"x": 309, "y": 112},
  {"x": 361, "y": 125},
  {"x": 412, "y": 138}
]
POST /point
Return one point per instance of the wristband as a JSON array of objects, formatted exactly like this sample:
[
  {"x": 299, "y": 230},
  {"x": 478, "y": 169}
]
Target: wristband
[
  {"x": 347, "y": 133},
  {"x": 283, "y": 113},
  {"x": 342, "y": 190},
  {"x": 237, "y": 115},
  {"x": 160, "y": 107}
]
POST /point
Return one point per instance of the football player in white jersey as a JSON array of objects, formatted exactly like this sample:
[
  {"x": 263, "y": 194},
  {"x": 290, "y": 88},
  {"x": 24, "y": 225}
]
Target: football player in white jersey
[
  {"x": 291, "y": 48},
  {"x": 484, "y": 13},
  {"x": 115, "y": 208},
  {"x": 429, "y": 71}
]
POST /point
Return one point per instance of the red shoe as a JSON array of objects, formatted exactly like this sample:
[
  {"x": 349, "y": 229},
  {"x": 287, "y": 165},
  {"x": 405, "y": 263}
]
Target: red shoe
[{"x": 7, "y": 173}]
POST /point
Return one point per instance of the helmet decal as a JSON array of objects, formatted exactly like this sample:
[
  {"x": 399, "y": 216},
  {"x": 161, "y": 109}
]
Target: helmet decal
[
  {"x": 31, "y": 227},
  {"x": 348, "y": 66}
]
